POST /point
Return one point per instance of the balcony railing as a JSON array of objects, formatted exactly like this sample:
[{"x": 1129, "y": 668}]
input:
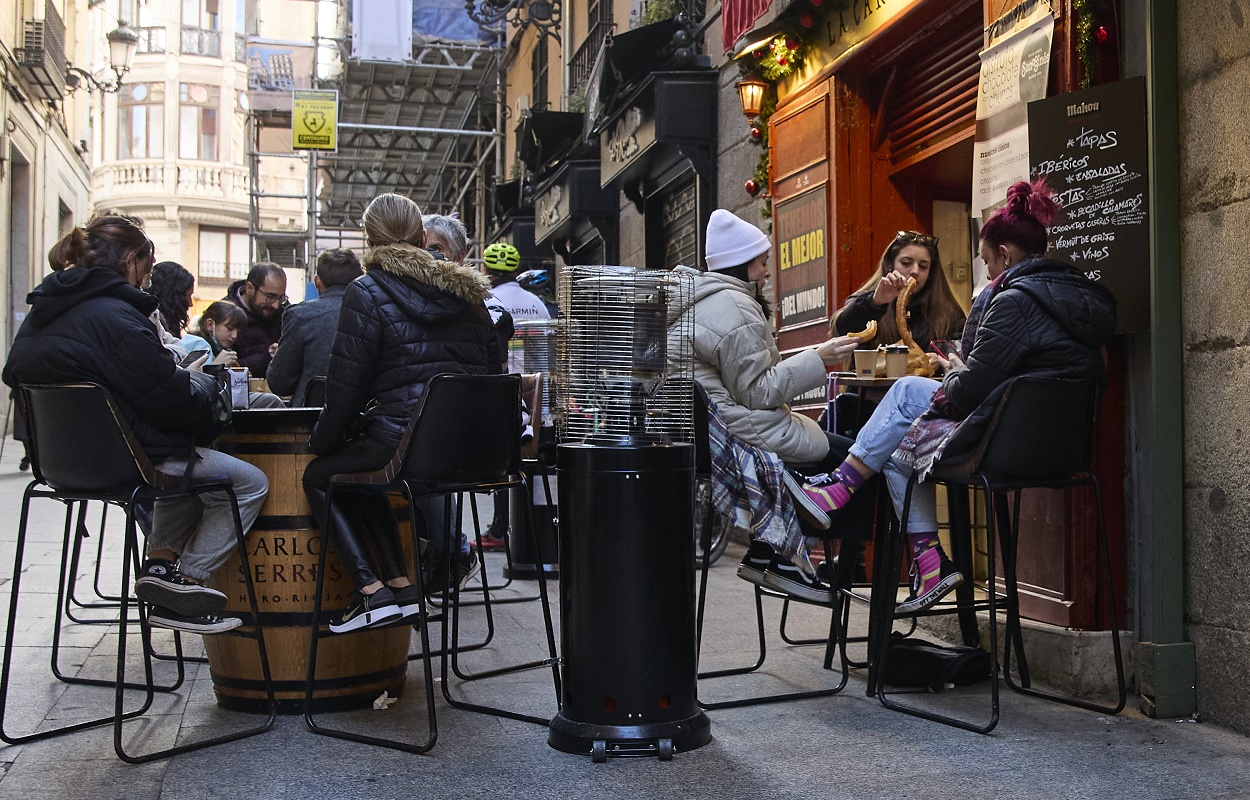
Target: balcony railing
[
  {"x": 204, "y": 183},
  {"x": 584, "y": 59},
  {"x": 240, "y": 48},
  {"x": 129, "y": 179},
  {"x": 152, "y": 40},
  {"x": 200, "y": 42},
  {"x": 220, "y": 273},
  {"x": 212, "y": 180}
]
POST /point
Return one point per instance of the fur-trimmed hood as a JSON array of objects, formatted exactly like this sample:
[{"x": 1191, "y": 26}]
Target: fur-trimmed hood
[{"x": 407, "y": 261}]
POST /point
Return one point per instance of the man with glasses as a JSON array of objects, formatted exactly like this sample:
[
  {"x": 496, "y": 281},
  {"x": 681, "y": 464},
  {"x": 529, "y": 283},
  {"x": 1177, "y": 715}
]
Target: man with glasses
[{"x": 263, "y": 297}]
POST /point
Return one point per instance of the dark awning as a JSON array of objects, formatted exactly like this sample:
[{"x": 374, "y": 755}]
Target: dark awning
[
  {"x": 625, "y": 61},
  {"x": 545, "y": 136}
]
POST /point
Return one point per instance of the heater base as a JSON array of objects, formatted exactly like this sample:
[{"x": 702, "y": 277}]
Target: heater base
[{"x": 660, "y": 739}]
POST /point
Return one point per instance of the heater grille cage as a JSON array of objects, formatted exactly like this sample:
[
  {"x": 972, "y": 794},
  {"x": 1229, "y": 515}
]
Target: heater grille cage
[{"x": 625, "y": 377}]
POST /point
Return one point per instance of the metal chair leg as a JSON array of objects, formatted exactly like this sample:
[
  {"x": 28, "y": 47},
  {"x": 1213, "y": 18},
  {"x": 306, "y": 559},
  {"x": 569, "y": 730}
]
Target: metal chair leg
[
  {"x": 831, "y": 644},
  {"x": 145, "y": 635},
  {"x": 450, "y": 650},
  {"x": 6, "y": 659},
  {"x": 1104, "y": 551},
  {"x": 882, "y": 635},
  {"x": 315, "y": 632}
]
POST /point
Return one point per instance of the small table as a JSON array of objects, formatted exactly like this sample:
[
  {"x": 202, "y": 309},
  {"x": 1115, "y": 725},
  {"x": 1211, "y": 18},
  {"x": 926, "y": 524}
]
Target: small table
[
  {"x": 862, "y": 386},
  {"x": 283, "y": 547}
]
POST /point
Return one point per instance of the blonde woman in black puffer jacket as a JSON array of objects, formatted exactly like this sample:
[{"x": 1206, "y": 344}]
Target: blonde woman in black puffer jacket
[{"x": 408, "y": 318}]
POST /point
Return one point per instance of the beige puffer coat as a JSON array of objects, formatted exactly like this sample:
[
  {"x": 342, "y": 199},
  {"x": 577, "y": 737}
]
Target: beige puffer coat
[{"x": 737, "y": 362}]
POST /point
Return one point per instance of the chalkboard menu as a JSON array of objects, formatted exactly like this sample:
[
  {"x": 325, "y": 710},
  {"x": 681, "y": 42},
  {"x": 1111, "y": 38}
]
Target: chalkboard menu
[{"x": 1092, "y": 146}]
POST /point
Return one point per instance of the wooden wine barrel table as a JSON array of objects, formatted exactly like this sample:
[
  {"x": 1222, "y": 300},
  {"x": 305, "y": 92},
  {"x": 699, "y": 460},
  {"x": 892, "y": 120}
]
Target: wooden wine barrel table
[{"x": 283, "y": 547}]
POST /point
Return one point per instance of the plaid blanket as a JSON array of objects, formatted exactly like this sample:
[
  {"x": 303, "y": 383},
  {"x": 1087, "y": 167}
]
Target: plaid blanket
[{"x": 747, "y": 489}]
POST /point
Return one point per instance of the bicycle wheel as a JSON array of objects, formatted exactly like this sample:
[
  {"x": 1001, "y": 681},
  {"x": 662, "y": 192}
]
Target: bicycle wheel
[{"x": 706, "y": 515}]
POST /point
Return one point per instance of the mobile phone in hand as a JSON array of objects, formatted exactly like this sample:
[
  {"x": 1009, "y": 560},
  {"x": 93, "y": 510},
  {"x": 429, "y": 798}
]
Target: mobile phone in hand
[
  {"x": 192, "y": 357},
  {"x": 946, "y": 348}
]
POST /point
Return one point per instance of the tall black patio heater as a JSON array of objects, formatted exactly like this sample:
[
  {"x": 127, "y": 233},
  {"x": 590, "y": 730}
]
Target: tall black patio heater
[{"x": 625, "y": 406}]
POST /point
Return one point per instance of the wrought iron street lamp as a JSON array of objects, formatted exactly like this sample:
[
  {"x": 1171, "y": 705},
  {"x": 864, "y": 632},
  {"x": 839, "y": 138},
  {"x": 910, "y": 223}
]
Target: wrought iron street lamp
[
  {"x": 123, "y": 42},
  {"x": 544, "y": 15}
]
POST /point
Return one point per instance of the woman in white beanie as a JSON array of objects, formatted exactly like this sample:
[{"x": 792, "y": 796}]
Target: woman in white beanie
[{"x": 738, "y": 364}]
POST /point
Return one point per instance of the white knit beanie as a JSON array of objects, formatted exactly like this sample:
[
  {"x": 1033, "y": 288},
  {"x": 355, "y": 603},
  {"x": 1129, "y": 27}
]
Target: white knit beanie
[{"x": 732, "y": 242}]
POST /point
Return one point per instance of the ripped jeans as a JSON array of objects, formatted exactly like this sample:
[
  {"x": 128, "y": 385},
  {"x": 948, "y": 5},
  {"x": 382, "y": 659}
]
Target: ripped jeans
[{"x": 881, "y": 435}]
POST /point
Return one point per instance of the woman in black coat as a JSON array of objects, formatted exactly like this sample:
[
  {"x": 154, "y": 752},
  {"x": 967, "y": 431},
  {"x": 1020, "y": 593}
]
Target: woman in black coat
[
  {"x": 1036, "y": 317},
  {"x": 932, "y": 311},
  {"x": 90, "y": 321},
  {"x": 408, "y": 318}
]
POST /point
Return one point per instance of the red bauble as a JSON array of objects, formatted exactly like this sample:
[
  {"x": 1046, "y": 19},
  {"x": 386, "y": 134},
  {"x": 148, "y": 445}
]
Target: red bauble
[
  {"x": 756, "y": 133},
  {"x": 1101, "y": 34},
  {"x": 751, "y": 186},
  {"x": 759, "y": 52},
  {"x": 782, "y": 61},
  {"x": 807, "y": 19},
  {"x": 792, "y": 42}
]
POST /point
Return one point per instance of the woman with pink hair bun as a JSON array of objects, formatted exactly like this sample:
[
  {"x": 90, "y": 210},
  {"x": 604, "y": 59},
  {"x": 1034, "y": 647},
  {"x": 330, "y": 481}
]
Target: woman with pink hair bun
[{"x": 1037, "y": 317}]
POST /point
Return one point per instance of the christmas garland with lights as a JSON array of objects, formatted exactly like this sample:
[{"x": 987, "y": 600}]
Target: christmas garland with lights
[
  {"x": 774, "y": 61},
  {"x": 1089, "y": 34}
]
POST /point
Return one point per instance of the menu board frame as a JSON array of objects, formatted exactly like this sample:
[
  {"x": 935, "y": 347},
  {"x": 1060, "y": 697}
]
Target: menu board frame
[{"x": 1092, "y": 145}]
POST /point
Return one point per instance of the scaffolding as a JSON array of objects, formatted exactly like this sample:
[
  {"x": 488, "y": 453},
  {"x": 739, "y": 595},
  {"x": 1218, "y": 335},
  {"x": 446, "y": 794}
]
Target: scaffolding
[
  {"x": 286, "y": 245},
  {"x": 428, "y": 128}
]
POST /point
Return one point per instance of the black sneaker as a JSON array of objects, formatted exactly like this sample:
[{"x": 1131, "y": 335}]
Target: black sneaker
[
  {"x": 933, "y": 577},
  {"x": 160, "y": 617},
  {"x": 788, "y": 579},
  {"x": 755, "y": 562},
  {"x": 825, "y": 570},
  {"x": 466, "y": 568},
  {"x": 409, "y": 601},
  {"x": 161, "y": 584},
  {"x": 366, "y": 611},
  {"x": 808, "y": 508}
]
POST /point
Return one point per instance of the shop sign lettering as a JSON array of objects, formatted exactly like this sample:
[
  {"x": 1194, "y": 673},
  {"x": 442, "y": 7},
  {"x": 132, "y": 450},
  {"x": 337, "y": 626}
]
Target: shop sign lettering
[{"x": 802, "y": 264}]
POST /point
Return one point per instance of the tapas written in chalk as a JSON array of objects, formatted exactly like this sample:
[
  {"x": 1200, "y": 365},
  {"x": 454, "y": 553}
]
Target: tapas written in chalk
[{"x": 1091, "y": 145}]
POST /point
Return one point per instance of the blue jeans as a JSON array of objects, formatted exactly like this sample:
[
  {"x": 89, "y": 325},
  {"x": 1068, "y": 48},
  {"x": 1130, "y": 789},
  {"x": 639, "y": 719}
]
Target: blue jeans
[{"x": 881, "y": 435}]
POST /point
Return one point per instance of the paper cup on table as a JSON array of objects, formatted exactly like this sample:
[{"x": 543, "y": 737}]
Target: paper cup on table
[
  {"x": 866, "y": 363},
  {"x": 895, "y": 361}
]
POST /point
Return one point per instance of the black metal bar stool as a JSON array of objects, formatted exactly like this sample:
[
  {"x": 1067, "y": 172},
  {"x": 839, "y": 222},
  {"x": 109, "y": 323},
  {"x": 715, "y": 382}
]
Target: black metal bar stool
[
  {"x": 464, "y": 436},
  {"x": 82, "y": 450},
  {"x": 837, "y": 608},
  {"x": 1039, "y": 437}
]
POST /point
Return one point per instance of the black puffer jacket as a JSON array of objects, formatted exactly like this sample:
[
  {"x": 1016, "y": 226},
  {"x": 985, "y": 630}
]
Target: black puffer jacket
[
  {"x": 408, "y": 318},
  {"x": 860, "y": 310},
  {"x": 1048, "y": 320},
  {"x": 253, "y": 343},
  {"x": 91, "y": 325}
]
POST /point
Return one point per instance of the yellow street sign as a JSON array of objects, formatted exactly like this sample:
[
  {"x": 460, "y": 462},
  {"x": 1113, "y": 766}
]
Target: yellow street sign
[{"x": 314, "y": 119}]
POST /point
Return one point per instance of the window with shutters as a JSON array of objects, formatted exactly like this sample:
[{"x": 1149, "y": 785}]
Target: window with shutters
[
  {"x": 679, "y": 225},
  {"x": 933, "y": 94},
  {"x": 224, "y": 256}
]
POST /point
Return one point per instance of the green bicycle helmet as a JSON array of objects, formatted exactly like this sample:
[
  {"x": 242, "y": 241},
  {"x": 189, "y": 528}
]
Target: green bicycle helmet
[{"x": 501, "y": 256}]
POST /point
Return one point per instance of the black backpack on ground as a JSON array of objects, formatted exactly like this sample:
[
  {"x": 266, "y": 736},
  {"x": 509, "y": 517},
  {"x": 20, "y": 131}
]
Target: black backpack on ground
[{"x": 917, "y": 664}]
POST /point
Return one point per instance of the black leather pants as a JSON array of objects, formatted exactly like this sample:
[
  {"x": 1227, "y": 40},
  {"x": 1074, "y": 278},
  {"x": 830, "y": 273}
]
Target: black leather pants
[{"x": 365, "y": 535}]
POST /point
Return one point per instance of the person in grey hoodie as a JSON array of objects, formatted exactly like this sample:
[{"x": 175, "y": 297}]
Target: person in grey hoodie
[{"x": 308, "y": 327}]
